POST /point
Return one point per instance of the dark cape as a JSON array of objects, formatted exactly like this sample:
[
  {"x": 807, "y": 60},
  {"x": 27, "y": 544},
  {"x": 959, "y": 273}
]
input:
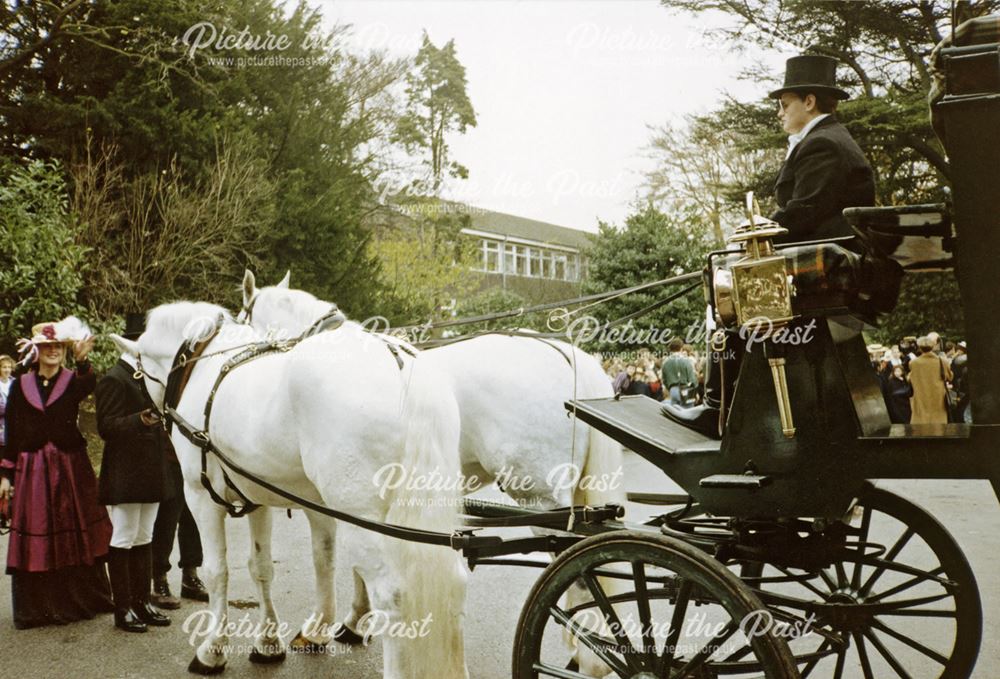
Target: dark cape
[
  {"x": 826, "y": 172},
  {"x": 59, "y": 532}
]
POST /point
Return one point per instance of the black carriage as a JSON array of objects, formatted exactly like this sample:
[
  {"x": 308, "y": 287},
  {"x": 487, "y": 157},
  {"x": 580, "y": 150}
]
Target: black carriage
[{"x": 781, "y": 511}]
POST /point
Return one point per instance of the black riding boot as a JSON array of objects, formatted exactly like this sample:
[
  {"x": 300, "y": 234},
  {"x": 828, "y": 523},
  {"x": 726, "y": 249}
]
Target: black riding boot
[
  {"x": 706, "y": 418},
  {"x": 121, "y": 590},
  {"x": 141, "y": 571},
  {"x": 191, "y": 585}
]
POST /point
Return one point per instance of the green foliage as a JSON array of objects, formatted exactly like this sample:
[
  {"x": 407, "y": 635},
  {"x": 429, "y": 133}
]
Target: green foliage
[
  {"x": 652, "y": 245},
  {"x": 424, "y": 263},
  {"x": 437, "y": 104},
  {"x": 299, "y": 134},
  {"x": 928, "y": 302},
  {"x": 41, "y": 267},
  {"x": 495, "y": 301}
]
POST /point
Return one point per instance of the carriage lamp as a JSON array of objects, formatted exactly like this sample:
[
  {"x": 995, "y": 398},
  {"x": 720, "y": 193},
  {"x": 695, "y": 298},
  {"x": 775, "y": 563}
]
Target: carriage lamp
[{"x": 762, "y": 289}]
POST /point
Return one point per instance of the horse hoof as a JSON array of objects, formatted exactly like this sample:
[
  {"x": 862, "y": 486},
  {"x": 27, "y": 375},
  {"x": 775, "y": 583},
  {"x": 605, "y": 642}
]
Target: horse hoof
[
  {"x": 198, "y": 667},
  {"x": 302, "y": 645},
  {"x": 261, "y": 659},
  {"x": 345, "y": 635}
]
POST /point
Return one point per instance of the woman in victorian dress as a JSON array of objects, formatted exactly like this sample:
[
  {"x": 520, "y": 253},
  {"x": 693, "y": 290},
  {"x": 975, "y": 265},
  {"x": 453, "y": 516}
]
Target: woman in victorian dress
[{"x": 59, "y": 532}]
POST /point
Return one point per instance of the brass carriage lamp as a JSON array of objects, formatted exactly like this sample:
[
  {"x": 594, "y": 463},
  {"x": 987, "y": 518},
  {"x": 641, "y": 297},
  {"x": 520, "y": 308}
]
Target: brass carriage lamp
[{"x": 762, "y": 291}]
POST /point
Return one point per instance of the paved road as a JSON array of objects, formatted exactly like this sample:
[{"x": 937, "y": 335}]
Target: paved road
[{"x": 95, "y": 649}]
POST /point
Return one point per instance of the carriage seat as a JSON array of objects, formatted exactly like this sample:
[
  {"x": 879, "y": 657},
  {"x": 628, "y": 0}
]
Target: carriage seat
[
  {"x": 827, "y": 278},
  {"x": 918, "y": 237}
]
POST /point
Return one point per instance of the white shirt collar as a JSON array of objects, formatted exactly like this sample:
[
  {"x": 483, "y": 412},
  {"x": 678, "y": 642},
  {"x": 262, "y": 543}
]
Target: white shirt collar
[
  {"x": 130, "y": 359},
  {"x": 794, "y": 139}
]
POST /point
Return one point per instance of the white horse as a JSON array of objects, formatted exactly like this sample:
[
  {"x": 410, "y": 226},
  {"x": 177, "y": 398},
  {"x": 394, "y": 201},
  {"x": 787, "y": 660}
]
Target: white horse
[
  {"x": 322, "y": 423},
  {"x": 510, "y": 391}
]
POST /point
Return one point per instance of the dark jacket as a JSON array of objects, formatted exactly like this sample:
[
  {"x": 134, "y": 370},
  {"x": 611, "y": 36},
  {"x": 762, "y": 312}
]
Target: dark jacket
[
  {"x": 134, "y": 465},
  {"x": 826, "y": 172}
]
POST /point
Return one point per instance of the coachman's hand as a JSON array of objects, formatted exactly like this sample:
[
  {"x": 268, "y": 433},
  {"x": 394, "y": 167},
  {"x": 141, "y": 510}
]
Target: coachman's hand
[
  {"x": 82, "y": 347},
  {"x": 149, "y": 417},
  {"x": 4, "y": 488}
]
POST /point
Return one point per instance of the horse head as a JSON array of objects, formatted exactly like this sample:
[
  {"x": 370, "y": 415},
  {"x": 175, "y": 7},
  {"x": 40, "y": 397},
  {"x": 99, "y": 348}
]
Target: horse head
[
  {"x": 168, "y": 327},
  {"x": 284, "y": 308}
]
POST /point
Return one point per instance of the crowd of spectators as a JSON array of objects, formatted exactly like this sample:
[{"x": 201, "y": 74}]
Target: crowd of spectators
[
  {"x": 923, "y": 380},
  {"x": 677, "y": 375}
]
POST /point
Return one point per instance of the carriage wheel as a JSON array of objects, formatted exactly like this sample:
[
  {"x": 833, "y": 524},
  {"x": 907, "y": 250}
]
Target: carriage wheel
[
  {"x": 651, "y": 606},
  {"x": 903, "y": 602}
]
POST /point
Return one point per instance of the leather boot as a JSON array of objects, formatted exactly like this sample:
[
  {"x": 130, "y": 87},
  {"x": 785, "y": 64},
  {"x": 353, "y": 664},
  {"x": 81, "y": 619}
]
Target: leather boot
[
  {"x": 140, "y": 569},
  {"x": 162, "y": 596},
  {"x": 118, "y": 573},
  {"x": 192, "y": 587}
]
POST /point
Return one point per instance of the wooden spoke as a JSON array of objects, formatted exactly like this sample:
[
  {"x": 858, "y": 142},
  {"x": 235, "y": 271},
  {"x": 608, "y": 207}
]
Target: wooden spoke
[
  {"x": 811, "y": 665},
  {"x": 676, "y": 623},
  {"x": 612, "y": 620},
  {"x": 889, "y": 657},
  {"x": 866, "y": 522},
  {"x": 602, "y": 648},
  {"x": 708, "y": 649},
  {"x": 803, "y": 581},
  {"x": 866, "y": 665},
  {"x": 906, "y": 585},
  {"x": 648, "y": 650},
  {"x": 889, "y": 556},
  {"x": 912, "y": 643},
  {"x": 838, "y": 671},
  {"x": 922, "y": 613}
]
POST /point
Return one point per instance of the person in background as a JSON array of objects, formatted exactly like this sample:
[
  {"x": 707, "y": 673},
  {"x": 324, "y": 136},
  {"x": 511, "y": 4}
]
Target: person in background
[
  {"x": 678, "y": 373},
  {"x": 959, "y": 368},
  {"x": 929, "y": 375},
  {"x": 59, "y": 531},
  {"x": 654, "y": 384},
  {"x": 638, "y": 386},
  {"x": 897, "y": 392},
  {"x": 133, "y": 483},
  {"x": 6, "y": 380}
]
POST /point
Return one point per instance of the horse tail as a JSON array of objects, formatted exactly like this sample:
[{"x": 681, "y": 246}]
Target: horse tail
[
  {"x": 432, "y": 577},
  {"x": 601, "y": 479}
]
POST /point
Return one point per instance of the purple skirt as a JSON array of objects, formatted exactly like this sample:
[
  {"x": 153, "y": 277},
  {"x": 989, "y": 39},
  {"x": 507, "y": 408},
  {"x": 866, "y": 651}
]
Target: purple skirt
[{"x": 56, "y": 521}]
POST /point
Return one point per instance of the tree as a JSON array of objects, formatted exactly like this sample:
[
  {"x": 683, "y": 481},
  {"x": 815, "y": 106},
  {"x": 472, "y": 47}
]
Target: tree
[
  {"x": 437, "y": 104},
  {"x": 650, "y": 246},
  {"x": 425, "y": 262},
  {"x": 41, "y": 266},
  {"x": 704, "y": 166},
  {"x": 157, "y": 237}
]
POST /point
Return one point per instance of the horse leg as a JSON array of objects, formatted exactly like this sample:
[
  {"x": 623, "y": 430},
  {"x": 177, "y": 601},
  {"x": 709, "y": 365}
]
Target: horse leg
[
  {"x": 267, "y": 646},
  {"x": 314, "y": 635},
  {"x": 349, "y": 632},
  {"x": 210, "y": 657}
]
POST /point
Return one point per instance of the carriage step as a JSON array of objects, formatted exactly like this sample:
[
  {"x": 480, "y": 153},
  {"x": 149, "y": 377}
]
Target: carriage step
[{"x": 748, "y": 481}]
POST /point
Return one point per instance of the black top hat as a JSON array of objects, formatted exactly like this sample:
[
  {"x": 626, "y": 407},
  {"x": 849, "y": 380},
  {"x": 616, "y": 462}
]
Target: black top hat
[
  {"x": 811, "y": 73},
  {"x": 135, "y": 325}
]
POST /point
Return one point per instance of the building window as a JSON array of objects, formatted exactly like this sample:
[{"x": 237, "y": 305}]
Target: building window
[
  {"x": 531, "y": 262},
  {"x": 491, "y": 256}
]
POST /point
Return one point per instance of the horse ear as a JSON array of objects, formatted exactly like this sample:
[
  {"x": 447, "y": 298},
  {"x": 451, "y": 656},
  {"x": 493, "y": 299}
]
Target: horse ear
[
  {"x": 249, "y": 287},
  {"x": 124, "y": 345},
  {"x": 284, "y": 281}
]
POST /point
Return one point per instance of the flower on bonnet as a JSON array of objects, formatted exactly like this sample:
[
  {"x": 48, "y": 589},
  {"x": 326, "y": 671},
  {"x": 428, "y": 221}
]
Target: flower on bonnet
[{"x": 49, "y": 331}]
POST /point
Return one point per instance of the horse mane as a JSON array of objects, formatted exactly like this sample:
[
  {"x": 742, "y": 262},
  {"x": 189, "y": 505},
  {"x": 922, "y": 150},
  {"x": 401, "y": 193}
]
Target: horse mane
[{"x": 180, "y": 321}]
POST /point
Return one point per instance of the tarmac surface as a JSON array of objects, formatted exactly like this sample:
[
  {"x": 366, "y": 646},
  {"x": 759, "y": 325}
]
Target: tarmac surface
[{"x": 95, "y": 649}]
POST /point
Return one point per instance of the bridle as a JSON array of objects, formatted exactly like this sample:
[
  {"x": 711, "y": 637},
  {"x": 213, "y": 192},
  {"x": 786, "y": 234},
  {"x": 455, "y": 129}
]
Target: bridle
[{"x": 331, "y": 320}]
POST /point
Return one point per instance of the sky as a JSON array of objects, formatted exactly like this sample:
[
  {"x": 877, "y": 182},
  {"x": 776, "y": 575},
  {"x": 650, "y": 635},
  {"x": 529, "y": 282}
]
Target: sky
[{"x": 564, "y": 92}]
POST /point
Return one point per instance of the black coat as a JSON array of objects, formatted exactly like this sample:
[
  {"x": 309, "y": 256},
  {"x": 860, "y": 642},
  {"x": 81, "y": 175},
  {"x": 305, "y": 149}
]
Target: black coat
[
  {"x": 135, "y": 455},
  {"x": 826, "y": 172}
]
